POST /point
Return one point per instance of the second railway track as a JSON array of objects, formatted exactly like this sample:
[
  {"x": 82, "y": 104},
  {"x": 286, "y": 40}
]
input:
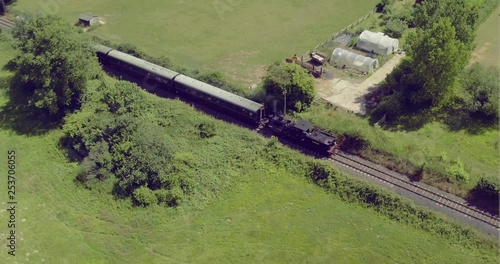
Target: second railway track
[{"x": 407, "y": 185}]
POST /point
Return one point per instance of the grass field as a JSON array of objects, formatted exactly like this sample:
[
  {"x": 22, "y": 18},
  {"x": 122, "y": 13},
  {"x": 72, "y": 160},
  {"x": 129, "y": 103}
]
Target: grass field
[
  {"x": 487, "y": 41},
  {"x": 478, "y": 152},
  {"x": 241, "y": 41},
  {"x": 262, "y": 214}
]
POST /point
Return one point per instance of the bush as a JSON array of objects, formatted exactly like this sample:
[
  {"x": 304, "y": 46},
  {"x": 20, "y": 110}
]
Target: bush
[
  {"x": 124, "y": 98},
  {"x": 319, "y": 172},
  {"x": 207, "y": 130},
  {"x": 457, "y": 172},
  {"x": 393, "y": 206},
  {"x": 481, "y": 87},
  {"x": 130, "y": 49},
  {"x": 420, "y": 173},
  {"x": 487, "y": 194},
  {"x": 96, "y": 166},
  {"x": 383, "y": 4},
  {"x": 395, "y": 28},
  {"x": 143, "y": 196},
  {"x": 214, "y": 78},
  {"x": 161, "y": 61},
  {"x": 443, "y": 157}
]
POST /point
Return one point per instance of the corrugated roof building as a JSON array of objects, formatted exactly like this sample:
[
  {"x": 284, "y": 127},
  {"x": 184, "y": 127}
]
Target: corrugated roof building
[
  {"x": 377, "y": 42},
  {"x": 88, "y": 20}
]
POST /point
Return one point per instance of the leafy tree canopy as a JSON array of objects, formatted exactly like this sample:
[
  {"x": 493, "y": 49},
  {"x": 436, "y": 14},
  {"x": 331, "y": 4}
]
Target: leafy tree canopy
[
  {"x": 54, "y": 63},
  {"x": 294, "y": 81},
  {"x": 463, "y": 15},
  {"x": 436, "y": 59}
]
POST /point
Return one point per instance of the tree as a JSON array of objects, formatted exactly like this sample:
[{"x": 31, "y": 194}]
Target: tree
[
  {"x": 481, "y": 85},
  {"x": 436, "y": 59},
  {"x": 292, "y": 80},
  {"x": 463, "y": 14},
  {"x": 54, "y": 63}
]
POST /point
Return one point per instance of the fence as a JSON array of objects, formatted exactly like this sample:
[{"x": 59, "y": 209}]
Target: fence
[{"x": 342, "y": 31}]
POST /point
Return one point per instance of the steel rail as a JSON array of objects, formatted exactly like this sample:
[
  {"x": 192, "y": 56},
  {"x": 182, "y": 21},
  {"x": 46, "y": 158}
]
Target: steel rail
[{"x": 416, "y": 189}]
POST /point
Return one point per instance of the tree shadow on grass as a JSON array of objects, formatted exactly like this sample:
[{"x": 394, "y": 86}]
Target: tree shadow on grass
[
  {"x": 17, "y": 116},
  {"x": 473, "y": 123},
  {"x": 407, "y": 120},
  {"x": 400, "y": 117}
]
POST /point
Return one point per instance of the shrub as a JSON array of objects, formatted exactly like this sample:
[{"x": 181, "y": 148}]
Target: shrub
[
  {"x": 443, "y": 157},
  {"x": 207, "y": 130},
  {"x": 383, "y": 4},
  {"x": 124, "y": 98},
  {"x": 480, "y": 84},
  {"x": 487, "y": 194},
  {"x": 318, "y": 171},
  {"x": 213, "y": 78},
  {"x": 395, "y": 28},
  {"x": 457, "y": 172},
  {"x": 161, "y": 61},
  {"x": 143, "y": 196},
  {"x": 394, "y": 207},
  {"x": 420, "y": 172},
  {"x": 96, "y": 166},
  {"x": 130, "y": 49}
]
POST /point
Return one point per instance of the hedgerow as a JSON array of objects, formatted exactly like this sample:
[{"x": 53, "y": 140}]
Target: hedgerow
[{"x": 394, "y": 207}]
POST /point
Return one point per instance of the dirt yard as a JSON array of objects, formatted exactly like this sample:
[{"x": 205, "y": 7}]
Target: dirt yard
[{"x": 348, "y": 92}]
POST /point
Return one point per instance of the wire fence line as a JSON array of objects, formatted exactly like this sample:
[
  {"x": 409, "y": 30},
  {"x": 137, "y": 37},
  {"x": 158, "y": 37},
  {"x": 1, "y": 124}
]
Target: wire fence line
[{"x": 342, "y": 31}]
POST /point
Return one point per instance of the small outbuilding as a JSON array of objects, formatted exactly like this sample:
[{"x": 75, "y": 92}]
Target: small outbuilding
[
  {"x": 344, "y": 58},
  {"x": 88, "y": 20},
  {"x": 377, "y": 42}
]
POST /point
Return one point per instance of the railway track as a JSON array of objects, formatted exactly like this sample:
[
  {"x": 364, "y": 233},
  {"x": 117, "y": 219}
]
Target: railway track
[
  {"x": 6, "y": 23},
  {"x": 407, "y": 185}
]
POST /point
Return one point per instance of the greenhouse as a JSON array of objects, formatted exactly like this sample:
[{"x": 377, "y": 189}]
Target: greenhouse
[
  {"x": 344, "y": 58},
  {"x": 377, "y": 42}
]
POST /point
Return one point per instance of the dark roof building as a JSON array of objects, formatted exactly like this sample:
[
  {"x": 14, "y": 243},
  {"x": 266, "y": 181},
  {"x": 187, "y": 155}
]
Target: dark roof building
[{"x": 88, "y": 20}]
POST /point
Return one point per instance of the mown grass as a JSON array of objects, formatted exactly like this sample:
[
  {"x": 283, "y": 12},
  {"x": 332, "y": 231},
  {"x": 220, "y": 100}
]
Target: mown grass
[
  {"x": 246, "y": 210},
  {"x": 241, "y": 42},
  {"x": 487, "y": 41}
]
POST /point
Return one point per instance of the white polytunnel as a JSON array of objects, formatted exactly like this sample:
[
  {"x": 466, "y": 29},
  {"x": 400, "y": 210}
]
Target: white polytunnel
[
  {"x": 377, "y": 42},
  {"x": 342, "y": 58}
]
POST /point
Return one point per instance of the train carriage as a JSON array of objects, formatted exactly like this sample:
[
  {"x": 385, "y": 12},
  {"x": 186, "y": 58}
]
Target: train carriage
[
  {"x": 140, "y": 67},
  {"x": 241, "y": 106}
]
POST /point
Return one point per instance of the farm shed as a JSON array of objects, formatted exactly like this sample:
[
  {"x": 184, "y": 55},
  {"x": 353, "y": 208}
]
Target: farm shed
[
  {"x": 88, "y": 20},
  {"x": 352, "y": 60},
  {"x": 377, "y": 42}
]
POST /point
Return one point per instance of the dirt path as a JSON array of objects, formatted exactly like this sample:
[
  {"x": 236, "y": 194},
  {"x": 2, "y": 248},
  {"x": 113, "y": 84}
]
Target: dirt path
[{"x": 350, "y": 95}]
